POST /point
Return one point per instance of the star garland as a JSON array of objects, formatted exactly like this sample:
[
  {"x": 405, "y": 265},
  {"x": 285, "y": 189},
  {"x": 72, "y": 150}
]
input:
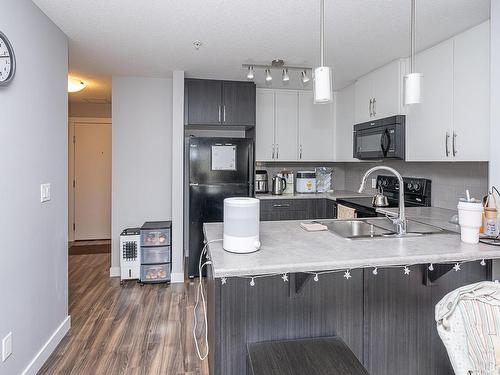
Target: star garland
[{"x": 347, "y": 273}]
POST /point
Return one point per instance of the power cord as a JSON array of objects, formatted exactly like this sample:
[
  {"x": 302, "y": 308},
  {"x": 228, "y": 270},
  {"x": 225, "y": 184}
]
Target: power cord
[{"x": 198, "y": 293}]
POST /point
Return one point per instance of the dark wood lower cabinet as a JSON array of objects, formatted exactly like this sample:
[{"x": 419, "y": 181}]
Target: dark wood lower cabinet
[
  {"x": 297, "y": 209},
  {"x": 387, "y": 320}
]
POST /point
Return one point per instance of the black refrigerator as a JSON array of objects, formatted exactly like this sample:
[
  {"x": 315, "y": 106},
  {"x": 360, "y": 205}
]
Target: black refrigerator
[{"x": 218, "y": 168}]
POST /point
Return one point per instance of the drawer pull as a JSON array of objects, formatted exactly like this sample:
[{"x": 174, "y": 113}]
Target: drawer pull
[{"x": 281, "y": 205}]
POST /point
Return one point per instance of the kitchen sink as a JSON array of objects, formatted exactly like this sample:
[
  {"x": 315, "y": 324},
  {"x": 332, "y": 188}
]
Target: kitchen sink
[{"x": 377, "y": 228}]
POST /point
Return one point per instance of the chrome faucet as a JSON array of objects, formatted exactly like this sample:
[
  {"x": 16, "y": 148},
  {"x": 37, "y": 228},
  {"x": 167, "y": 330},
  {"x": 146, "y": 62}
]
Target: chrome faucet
[{"x": 400, "y": 222}]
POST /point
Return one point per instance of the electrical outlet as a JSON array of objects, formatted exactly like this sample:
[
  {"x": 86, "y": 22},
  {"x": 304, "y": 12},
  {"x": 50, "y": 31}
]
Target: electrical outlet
[
  {"x": 374, "y": 183},
  {"x": 44, "y": 193},
  {"x": 6, "y": 346}
]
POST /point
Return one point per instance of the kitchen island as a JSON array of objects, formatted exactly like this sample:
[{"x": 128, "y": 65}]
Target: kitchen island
[
  {"x": 302, "y": 284},
  {"x": 311, "y": 284}
]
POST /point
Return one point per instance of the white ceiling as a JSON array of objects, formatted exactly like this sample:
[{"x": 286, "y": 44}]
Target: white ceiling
[{"x": 154, "y": 37}]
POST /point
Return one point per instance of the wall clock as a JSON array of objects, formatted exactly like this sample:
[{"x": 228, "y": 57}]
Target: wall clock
[{"x": 7, "y": 61}]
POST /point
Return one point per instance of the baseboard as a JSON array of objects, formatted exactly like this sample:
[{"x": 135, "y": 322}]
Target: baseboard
[
  {"x": 47, "y": 349},
  {"x": 177, "y": 277},
  {"x": 114, "y": 272}
]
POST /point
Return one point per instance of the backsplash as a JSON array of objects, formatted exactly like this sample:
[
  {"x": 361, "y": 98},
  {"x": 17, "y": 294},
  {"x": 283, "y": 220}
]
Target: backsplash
[{"x": 449, "y": 180}]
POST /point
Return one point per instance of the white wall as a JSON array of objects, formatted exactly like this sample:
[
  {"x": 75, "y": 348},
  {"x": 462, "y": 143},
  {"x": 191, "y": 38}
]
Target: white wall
[
  {"x": 142, "y": 155},
  {"x": 33, "y": 150},
  {"x": 494, "y": 170}
]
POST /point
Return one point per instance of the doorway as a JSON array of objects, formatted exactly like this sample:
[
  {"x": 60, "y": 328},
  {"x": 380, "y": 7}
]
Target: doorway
[{"x": 90, "y": 179}]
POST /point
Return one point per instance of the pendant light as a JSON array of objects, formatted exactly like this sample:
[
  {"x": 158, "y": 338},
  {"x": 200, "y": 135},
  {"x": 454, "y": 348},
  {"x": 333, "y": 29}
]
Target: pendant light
[
  {"x": 413, "y": 80},
  {"x": 322, "y": 74}
]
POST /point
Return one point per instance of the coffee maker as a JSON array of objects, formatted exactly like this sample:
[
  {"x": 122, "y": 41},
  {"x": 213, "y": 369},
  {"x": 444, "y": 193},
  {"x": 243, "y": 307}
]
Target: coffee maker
[{"x": 261, "y": 182}]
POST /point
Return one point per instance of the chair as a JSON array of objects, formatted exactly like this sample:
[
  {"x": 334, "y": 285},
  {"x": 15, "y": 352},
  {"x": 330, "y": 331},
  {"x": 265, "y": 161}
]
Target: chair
[{"x": 468, "y": 322}]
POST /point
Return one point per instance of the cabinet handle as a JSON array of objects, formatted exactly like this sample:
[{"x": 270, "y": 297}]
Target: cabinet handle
[
  {"x": 277, "y": 151},
  {"x": 374, "y": 107},
  {"x": 446, "y": 144},
  {"x": 281, "y": 205},
  {"x": 454, "y": 144},
  {"x": 273, "y": 152},
  {"x": 219, "y": 114},
  {"x": 370, "y": 107},
  {"x": 224, "y": 116},
  {"x": 300, "y": 152}
]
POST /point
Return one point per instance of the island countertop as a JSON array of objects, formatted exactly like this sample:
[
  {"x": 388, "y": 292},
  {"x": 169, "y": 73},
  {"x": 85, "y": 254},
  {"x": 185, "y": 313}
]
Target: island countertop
[{"x": 286, "y": 247}]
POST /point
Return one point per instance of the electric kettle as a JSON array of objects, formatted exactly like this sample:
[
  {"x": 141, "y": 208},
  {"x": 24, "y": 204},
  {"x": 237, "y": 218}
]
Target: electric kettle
[{"x": 279, "y": 185}]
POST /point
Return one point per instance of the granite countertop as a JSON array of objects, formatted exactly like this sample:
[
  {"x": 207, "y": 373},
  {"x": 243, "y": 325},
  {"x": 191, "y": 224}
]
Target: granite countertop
[
  {"x": 288, "y": 248},
  {"x": 333, "y": 195}
]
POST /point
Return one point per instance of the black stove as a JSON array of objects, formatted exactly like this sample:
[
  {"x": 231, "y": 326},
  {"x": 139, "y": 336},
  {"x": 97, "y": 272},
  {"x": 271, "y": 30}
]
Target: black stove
[{"x": 417, "y": 194}]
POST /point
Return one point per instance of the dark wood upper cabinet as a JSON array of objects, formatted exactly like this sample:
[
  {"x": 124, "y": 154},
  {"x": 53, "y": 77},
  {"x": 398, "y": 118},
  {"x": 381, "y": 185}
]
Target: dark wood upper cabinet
[
  {"x": 202, "y": 102},
  {"x": 210, "y": 102},
  {"x": 238, "y": 103}
]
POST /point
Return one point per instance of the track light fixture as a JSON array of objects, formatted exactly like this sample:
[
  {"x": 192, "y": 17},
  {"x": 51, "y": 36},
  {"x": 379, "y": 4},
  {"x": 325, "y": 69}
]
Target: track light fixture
[
  {"x": 285, "y": 75},
  {"x": 250, "y": 74},
  {"x": 276, "y": 64},
  {"x": 304, "y": 76},
  {"x": 269, "y": 77}
]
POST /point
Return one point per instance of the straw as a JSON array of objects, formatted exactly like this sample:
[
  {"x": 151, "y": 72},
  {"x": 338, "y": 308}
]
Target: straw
[{"x": 467, "y": 193}]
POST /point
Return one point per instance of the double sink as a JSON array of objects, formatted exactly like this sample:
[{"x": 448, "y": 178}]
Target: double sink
[{"x": 380, "y": 227}]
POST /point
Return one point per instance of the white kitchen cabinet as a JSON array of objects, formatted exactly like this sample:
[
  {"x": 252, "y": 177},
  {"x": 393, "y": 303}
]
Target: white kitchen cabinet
[
  {"x": 290, "y": 127},
  {"x": 363, "y": 89},
  {"x": 471, "y": 102},
  {"x": 315, "y": 129},
  {"x": 286, "y": 126},
  {"x": 452, "y": 122},
  {"x": 264, "y": 129},
  {"x": 379, "y": 94},
  {"x": 429, "y": 124},
  {"x": 344, "y": 124}
]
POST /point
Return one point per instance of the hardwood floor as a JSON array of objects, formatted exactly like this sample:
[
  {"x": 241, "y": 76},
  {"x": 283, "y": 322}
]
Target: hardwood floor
[{"x": 129, "y": 329}]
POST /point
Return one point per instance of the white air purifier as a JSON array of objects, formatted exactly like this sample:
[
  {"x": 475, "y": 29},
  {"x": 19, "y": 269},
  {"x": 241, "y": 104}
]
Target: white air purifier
[{"x": 241, "y": 225}]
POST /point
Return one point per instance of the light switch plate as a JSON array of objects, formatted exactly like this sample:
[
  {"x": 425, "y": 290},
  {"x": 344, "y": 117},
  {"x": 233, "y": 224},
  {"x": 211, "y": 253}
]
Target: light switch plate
[
  {"x": 44, "y": 193},
  {"x": 6, "y": 346},
  {"x": 374, "y": 183}
]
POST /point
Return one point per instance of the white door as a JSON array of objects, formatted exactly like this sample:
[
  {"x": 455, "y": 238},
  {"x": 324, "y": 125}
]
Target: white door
[
  {"x": 92, "y": 181},
  {"x": 430, "y": 123},
  {"x": 315, "y": 129},
  {"x": 264, "y": 127},
  {"x": 286, "y": 125},
  {"x": 344, "y": 124},
  {"x": 363, "y": 95},
  {"x": 386, "y": 90},
  {"x": 471, "y": 114}
]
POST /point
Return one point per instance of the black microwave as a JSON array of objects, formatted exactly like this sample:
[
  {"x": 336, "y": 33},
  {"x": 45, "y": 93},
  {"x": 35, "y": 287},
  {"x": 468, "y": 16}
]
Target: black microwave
[{"x": 380, "y": 139}]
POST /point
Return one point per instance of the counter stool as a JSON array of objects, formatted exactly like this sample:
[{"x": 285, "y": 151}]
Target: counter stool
[{"x": 315, "y": 356}]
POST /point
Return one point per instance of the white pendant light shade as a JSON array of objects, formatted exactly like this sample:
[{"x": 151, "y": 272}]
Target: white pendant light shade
[
  {"x": 322, "y": 74},
  {"x": 413, "y": 83},
  {"x": 323, "y": 85}
]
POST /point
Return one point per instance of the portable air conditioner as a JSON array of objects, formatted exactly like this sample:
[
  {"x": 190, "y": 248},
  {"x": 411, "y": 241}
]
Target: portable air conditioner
[{"x": 130, "y": 254}]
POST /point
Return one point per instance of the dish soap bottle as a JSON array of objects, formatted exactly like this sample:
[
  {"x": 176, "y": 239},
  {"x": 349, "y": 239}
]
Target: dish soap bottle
[{"x": 490, "y": 216}]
